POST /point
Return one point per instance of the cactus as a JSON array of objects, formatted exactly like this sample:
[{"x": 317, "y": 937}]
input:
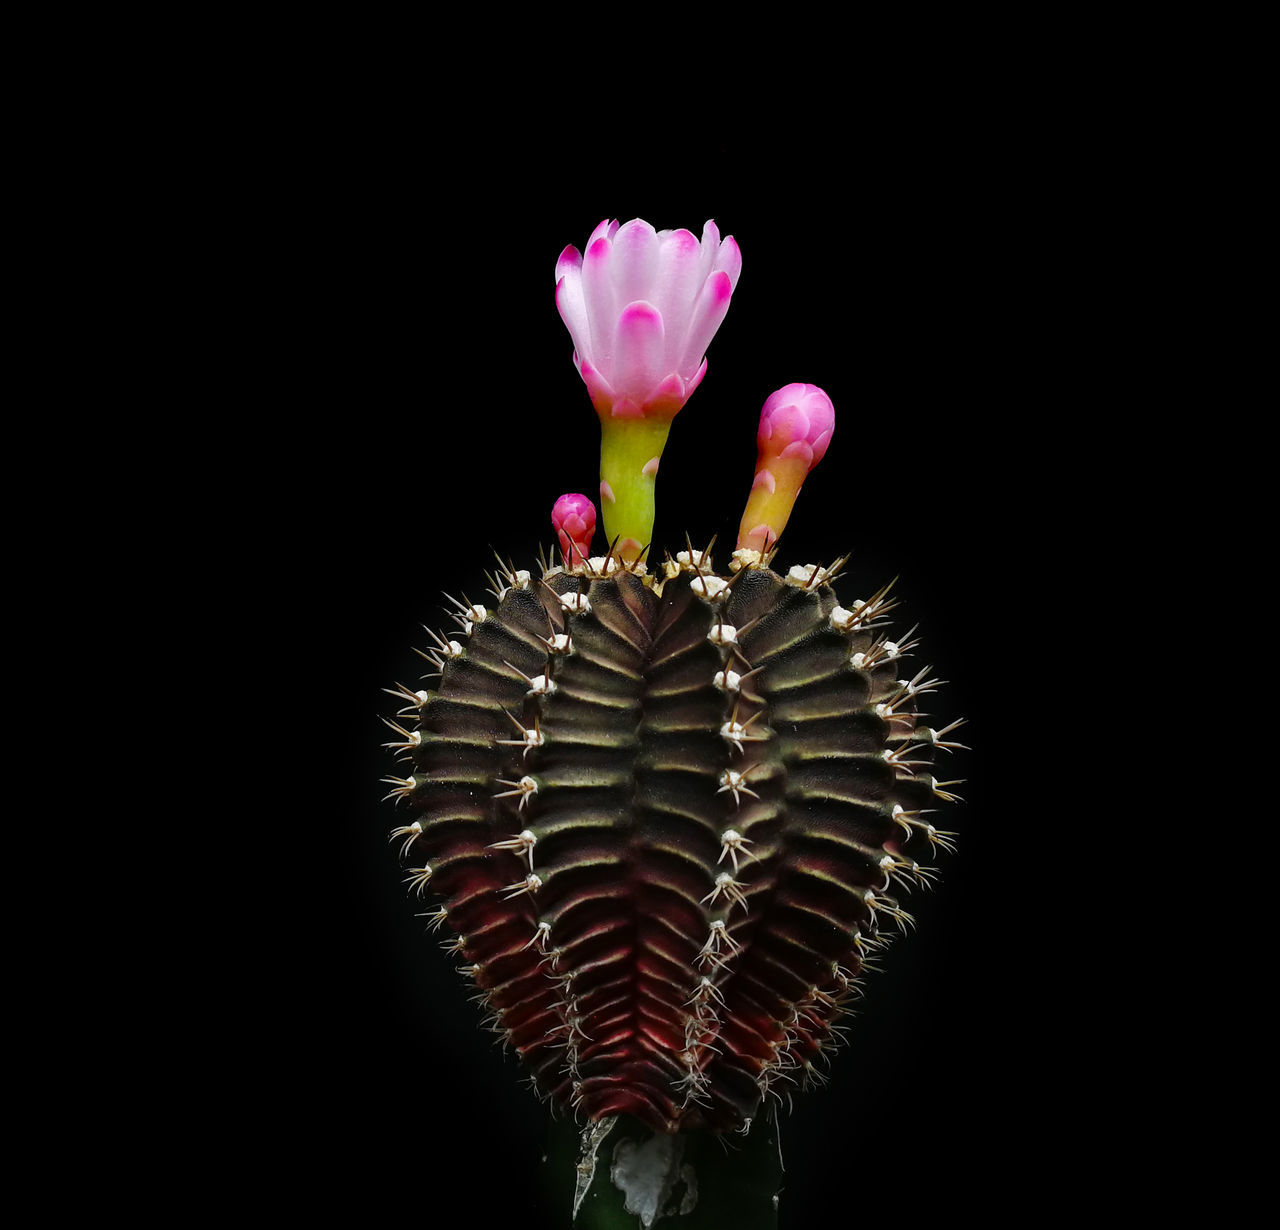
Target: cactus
[{"x": 667, "y": 815}]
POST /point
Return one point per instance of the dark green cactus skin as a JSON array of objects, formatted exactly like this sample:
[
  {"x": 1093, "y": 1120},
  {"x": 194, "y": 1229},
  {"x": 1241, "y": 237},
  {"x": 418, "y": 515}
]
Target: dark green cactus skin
[{"x": 628, "y": 976}]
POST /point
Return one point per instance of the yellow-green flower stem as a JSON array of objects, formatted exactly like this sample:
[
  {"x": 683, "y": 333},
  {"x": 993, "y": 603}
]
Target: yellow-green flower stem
[
  {"x": 772, "y": 508},
  {"x": 627, "y": 446}
]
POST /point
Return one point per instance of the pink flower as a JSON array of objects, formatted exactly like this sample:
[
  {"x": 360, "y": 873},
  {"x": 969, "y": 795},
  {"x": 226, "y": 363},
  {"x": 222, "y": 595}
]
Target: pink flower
[
  {"x": 642, "y": 307},
  {"x": 574, "y": 518},
  {"x": 796, "y": 421}
]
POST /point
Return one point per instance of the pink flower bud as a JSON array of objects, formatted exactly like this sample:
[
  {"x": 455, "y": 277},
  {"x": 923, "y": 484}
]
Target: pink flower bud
[
  {"x": 574, "y": 517},
  {"x": 642, "y": 307},
  {"x": 795, "y": 429},
  {"x": 796, "y": 421}
]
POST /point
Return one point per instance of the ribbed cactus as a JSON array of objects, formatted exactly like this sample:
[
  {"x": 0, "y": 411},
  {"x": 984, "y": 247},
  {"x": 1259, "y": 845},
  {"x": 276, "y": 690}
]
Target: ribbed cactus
[
  {"x": 666, "y": 813},
  {"x": 666, "y": 818}
]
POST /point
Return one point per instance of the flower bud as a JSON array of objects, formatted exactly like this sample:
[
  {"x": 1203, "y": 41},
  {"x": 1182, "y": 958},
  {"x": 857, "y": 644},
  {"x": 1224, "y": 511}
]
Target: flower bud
[
  {"x": 795, "y": 428},
  {"x": 574, "y": 518}
]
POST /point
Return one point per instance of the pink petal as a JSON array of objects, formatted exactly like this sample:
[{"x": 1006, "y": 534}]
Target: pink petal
[
  {"x": 675, "y": 288},
  {"x": 602, "y": 307},
  {"x": 605, "y": 230},
  {"x": 800, "y": 450},
  {"x": 599, "y": 389},
  {"x": 573, "y": 505},
  {"x": 570, "y": 258},
  {"x": 638, "y": 351},
  {"x": 573, "y": 310},
  {"x": 635, "y": 261},
  {"x": 708, "y": 314},
  {"x": 667, "y": 398},
  {"x": 788, "y": 423},
  {"x": 710, "y": 249},
  {"x": 729, "y": 259}
]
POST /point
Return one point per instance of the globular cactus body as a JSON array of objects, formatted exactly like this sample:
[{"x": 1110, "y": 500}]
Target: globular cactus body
[{"x": 664, "y": 814}]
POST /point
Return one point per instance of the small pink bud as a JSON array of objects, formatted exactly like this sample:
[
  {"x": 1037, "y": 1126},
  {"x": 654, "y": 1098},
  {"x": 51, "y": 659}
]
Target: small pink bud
[
  {"x": 796, "y": 421},
  {"x": 574, "y": 517}
]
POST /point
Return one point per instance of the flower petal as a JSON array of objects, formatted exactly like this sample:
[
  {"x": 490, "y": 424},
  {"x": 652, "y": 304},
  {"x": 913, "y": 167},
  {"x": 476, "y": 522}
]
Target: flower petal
[
  {"x": 638, "y": 351},
  {"x": 573, "y": 310},
  {"x": 598, "y": 388},
  {"x": 675, "y": 288},
  {"x": 635, "y": 261},
  {"x": 602, "y": 307},
  {"x": 800, "y": 450},
  {"x": 666, "y": 399},
  {"x": 605, "y": 230},
  {"x": 569, "y": 259},
  {"x": 708, "y": 314},
  {"x": 710, "y": 249},
  {"x": 729, "y": 258}
]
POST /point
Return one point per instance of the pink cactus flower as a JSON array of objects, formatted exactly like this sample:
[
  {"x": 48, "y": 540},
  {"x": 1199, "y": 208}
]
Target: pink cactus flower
[
  {"x": 574, "y": 517},
  {"x": 642, "y": 307}
]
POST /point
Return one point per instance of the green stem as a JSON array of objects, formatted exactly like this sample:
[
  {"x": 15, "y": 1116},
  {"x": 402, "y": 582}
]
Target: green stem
[
  {"x": 690, "y": 1181},
  {"x": 629, "y": 453}
]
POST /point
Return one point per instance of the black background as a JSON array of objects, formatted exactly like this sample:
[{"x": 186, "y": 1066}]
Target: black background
[{"x": 427, "y": 410}]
